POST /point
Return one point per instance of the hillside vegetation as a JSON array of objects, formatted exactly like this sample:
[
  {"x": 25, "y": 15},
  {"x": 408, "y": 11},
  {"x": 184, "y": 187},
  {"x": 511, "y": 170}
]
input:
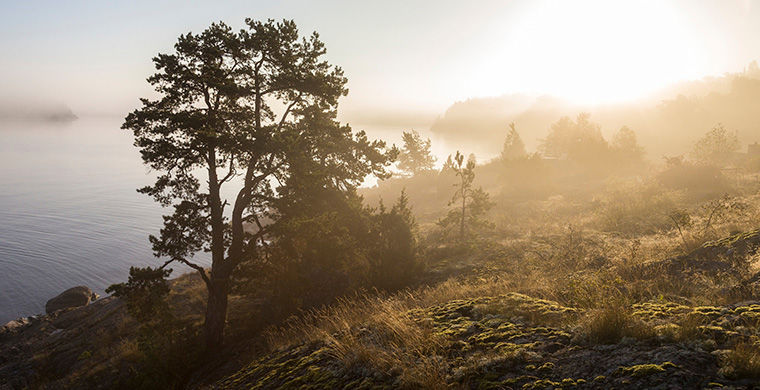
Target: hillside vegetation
[
  {"x": 577, "y": 263},
  {"x": 478, "y": 332},
  {"x": 629, "y": 276}
]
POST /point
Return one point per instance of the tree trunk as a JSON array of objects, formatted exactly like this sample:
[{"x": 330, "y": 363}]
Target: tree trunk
[
  {"x": 218, "y": 285},
  {"x": 461, "y": 226},
  {"x": 216, "y": 313}
]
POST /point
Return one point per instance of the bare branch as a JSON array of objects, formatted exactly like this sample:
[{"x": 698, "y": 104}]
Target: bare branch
[
  {"x": 231, "y": 172},
  {"x": 201, "y": 270},
  {"x": 166, "y": 263},
  {"x": 287, "y": 110}
]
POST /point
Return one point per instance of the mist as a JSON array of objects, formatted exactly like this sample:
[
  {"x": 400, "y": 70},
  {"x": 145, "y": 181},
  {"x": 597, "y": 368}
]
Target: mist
[
  {"x": 416, "y": 195},
  {"x": 667, "y": 122}
]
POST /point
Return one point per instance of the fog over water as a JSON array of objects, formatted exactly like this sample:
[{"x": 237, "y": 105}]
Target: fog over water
[{"x": 69, "y": 212}]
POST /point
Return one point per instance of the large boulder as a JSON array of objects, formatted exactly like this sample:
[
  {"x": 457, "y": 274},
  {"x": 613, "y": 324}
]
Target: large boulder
[{"x": 73, "y": 297}]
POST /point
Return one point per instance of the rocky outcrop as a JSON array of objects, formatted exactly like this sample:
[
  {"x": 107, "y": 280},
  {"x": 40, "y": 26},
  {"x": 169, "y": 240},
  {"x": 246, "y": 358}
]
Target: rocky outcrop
[
  {"x": 727, "y": 255},
  {"x": 86, "y": 347},
  {"x": 514, "y": 341},
  {"x": 54, "y": 351},
  {"x": 73, "y": 297}
]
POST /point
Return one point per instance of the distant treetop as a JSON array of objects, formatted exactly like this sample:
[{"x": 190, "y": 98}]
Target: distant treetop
[
  {"x": 415, "y": 155},
  {"x": 716, "y": 147},
  {"x": 513, "y": 145}
]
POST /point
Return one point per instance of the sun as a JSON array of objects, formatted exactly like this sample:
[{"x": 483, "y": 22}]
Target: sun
[{"x": 592, "y": 52}]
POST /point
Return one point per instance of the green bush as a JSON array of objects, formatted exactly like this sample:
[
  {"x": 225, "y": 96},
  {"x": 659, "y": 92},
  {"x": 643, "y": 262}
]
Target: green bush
[
  {"x": 169, "y": 347},
  {"x": 331, "y": 246}
]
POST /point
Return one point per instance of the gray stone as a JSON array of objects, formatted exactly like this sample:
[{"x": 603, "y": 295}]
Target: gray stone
[{"x": 73, "y": 297}]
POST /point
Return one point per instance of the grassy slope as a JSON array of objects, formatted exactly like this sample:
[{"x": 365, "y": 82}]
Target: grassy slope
[
  {"x": 515, "y": 341},
  {"x": 479, "y": 334}
]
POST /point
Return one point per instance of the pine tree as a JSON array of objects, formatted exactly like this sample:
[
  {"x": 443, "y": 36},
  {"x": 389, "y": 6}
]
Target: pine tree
[
  {"x": 514, "y": 147},
  {"x": 415, "y": 155}
]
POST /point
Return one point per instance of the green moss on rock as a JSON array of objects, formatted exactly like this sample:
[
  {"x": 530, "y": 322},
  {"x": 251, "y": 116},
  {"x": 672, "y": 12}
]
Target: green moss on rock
[{"x": 641, "y": 370}]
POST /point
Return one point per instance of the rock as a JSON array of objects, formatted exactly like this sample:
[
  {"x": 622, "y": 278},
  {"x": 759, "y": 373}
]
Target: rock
[
  {"x": 73, "y": 297},
  {"x": 14, "y": 325}
]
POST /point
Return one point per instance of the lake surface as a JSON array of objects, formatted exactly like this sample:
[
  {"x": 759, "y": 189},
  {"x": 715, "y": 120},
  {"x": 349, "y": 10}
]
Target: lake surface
[{"x": 69, "y": 212}]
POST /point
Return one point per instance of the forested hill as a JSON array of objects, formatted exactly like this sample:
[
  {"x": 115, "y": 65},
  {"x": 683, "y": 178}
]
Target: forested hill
[{"x": 667, "y": 122}]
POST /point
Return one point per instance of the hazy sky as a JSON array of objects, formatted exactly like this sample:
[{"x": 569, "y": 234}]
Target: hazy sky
[{"x": 404, "y": 59}]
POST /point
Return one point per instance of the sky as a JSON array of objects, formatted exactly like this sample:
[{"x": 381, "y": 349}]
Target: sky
[{"x": 406, "y": 61}]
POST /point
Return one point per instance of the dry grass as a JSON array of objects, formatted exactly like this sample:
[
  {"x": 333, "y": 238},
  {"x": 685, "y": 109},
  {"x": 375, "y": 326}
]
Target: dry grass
[
  {"x": 743, "y": 361},
  {"x": 613, "y": 322},
  {"x": 377, "y": 331},
  {"x": 393, "y": 344},
  {"x": 689, "y": 327},
  {"x": 349, "y": 313}
]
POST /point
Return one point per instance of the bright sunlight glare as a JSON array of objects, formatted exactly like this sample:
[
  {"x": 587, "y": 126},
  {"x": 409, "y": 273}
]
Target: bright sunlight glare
[{"x": 590, "y": 52}]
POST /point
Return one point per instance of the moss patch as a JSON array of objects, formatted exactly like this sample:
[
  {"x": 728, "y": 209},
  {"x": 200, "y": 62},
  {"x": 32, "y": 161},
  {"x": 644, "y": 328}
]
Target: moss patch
[{"x": 642, "y": 370}]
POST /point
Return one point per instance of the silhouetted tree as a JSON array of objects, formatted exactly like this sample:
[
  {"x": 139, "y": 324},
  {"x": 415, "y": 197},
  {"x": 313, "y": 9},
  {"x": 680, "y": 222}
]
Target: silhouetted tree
[
  {"x": 626, "y": 147},
  {"x": 415, "y": 155},
  {"x": 466, "y": 176},
  {"x": 393, "y": 246},
  {"x": 513, "y": 145},
  {"x": 716, "y": 146},
  {"x": 580, "y": 140},
  {"x": 471, "y": 203},
  {"x": 215, "y": 123},
  {"x": 144, "y": 292}
]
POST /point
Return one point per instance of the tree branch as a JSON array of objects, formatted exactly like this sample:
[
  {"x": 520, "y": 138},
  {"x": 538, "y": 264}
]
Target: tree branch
[
  {"x": 287, "y": 110},
  {"x": 231, "y": 172},
  {"x": 201, "y": 270}
]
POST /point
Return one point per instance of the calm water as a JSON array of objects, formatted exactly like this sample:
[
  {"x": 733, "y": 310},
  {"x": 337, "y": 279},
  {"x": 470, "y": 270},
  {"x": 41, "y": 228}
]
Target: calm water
[{"x": 69, "y": 212}]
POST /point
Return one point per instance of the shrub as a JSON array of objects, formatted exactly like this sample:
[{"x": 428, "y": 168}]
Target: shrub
[
  {"x": 611, "y": 323},
  {"x": 169, "y": 347},
  {"x": 392, "y": 247},
  {"x": 634, "y": 210},
  {"x": 699, "y": 180},
  {"x": 742, "y": 362},
  {"x": 330, "y": 246}
]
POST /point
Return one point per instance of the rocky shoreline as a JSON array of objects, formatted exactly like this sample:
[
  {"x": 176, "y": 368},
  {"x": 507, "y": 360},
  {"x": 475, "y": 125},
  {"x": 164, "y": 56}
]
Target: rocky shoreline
[
  {"x": 53, "y": 344},
  {"x": 89, "y": 344},
  {"x": 72, "y": 298}
]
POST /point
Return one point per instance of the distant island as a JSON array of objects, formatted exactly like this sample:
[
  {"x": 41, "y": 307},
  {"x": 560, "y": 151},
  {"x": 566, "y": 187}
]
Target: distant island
[{"x": 36, "y": 112}]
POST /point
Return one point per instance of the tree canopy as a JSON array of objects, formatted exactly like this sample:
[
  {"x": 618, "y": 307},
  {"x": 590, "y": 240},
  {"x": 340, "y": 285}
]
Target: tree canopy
[
  {"x": 579, "y": 140},
  {"x": 415, "y": 155},
  {"x": 716, "y": 146},
  {"x": 514, "y": 147},
  {"x": 626, "y": 148},
  {"x": 253, "y": 110}
]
